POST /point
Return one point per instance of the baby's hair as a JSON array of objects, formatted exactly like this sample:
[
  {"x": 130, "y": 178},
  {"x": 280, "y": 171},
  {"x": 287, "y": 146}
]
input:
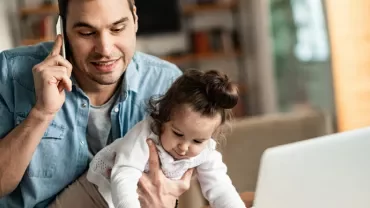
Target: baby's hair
[{"x": 208, "y": 93}]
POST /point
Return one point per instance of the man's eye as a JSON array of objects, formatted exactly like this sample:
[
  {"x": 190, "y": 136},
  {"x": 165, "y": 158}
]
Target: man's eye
[
  {"x": 86, "y": 33},
  {"x": 118, "y": 29}
]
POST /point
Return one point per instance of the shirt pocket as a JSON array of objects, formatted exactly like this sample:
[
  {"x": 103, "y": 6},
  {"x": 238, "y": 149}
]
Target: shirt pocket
[{"x": 45, "y": 158}]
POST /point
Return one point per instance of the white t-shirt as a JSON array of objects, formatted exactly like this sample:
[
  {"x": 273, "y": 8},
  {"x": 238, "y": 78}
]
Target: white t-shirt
[{"x": 131, "y": 155}]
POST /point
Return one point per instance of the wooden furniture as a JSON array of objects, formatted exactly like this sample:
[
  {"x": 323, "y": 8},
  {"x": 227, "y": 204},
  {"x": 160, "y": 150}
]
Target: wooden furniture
[
  {"x": 48, "y": 14},
  {"x": 247, "y": 197}
]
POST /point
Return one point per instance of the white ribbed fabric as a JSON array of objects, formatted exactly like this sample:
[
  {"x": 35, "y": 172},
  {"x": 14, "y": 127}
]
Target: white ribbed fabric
[{"x": 131, "y": 155}]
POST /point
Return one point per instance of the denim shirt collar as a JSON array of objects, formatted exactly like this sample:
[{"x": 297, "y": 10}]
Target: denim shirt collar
[{"x": 131, "y": 75}]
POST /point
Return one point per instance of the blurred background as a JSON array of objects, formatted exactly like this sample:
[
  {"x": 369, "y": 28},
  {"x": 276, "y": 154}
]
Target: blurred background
[
  {"x": 284, "y": 54},
  {"x": 302, "y": 66}
]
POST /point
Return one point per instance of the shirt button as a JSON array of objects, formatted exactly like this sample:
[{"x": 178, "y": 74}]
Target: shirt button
[
  {"x": 82, "y": 143},
  {"x": 84, "y": 105},
  {"x": 116, "y": 110}
]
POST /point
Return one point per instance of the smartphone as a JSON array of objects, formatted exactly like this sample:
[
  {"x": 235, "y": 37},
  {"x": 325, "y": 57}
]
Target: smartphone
[{"x": 59, "y": 30}]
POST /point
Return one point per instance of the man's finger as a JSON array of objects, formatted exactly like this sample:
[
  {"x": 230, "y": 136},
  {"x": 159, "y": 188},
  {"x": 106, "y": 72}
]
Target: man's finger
[
  {"x": 184, "y": 183},
  {"x": 144, "y": 179},
  {"x": 187, "y": 175},
  {"x": 63, "y": 62},
  {"x": 67, "y": 84},
  {"x": 57, "y": 46},
  {"x": 144, "y": 183},
  {"x": 58, "y": 60},
  {"x": 58, "y": 75},
  {"x": 153, "y": 159}
]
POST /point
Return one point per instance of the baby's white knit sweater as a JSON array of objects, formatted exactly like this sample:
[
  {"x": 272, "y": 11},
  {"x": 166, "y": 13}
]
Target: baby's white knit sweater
[{"x": 131, "y": 155}]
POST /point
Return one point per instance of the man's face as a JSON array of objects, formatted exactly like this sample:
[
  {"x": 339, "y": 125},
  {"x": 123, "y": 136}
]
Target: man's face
[{"x": 102, "y": 38}]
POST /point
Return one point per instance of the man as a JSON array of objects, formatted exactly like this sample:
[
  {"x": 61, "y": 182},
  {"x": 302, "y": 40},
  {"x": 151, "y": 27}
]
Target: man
[{"x": 57, "y": 113}]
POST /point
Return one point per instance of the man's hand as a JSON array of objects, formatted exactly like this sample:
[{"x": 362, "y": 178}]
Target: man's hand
[
  {"x": 51, "y": 78},
  {"x": 157, "y": 191}
]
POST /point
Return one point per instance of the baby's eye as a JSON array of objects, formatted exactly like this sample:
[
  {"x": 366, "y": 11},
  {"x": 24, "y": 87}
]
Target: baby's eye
[
  {"x": 198, "y": 141},
  {"x": 177, "y": 134}
]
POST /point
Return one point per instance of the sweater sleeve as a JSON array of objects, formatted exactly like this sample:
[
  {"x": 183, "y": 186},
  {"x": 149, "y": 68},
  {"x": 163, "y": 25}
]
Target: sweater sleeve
[
  {"x": 132, "y": 154},
  {"x": 216, "y": 185}
]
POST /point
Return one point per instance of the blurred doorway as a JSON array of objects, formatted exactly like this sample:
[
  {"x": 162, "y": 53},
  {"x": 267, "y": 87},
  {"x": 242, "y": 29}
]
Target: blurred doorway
[{"x": 301, "y": 55}]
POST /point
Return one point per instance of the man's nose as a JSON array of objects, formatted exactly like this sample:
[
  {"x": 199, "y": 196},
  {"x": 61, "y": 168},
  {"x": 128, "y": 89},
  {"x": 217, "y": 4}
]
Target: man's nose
[{"x": 104, "y": 44}]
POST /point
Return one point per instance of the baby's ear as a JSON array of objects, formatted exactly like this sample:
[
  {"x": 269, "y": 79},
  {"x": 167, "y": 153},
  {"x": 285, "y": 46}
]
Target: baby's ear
[
  {"x": 217, "y": 133},
  {"x": 220, "y": 136}
]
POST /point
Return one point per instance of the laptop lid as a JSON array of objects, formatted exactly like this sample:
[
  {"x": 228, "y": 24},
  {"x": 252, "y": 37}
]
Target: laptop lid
[{"x": 326, "y": 172}]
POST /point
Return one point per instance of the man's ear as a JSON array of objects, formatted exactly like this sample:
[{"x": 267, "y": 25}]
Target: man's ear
[{"x": 136, "y": 18}]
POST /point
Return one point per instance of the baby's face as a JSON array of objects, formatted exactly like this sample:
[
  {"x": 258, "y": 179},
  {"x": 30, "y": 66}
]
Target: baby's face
[{"x": 187, "y": 133}]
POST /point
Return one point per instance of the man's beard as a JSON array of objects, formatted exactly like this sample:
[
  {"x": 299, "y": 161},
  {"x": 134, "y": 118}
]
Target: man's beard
[{"x": 96, "y": 78}]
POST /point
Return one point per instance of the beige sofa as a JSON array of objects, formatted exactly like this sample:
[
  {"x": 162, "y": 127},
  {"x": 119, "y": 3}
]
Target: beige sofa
[{"x": 250, "y": 137}]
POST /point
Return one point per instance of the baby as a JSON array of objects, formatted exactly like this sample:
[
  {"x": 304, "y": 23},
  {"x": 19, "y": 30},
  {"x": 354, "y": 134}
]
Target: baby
[{"x": 185, "y": 124}]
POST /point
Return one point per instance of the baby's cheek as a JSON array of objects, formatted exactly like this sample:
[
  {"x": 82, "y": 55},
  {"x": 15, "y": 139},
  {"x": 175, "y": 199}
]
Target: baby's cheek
[
  {"x": 196, "y": 150},
  {"x": 166, "y": 142}
]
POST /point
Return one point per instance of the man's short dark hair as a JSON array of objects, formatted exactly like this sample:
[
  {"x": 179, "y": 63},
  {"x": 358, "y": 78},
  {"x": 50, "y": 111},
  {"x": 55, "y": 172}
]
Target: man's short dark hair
[{"x": 63, "y": 5}]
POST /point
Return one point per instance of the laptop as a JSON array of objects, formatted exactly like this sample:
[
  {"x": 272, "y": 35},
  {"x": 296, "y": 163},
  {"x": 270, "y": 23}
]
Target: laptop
[{"x": 332, "y": 171}]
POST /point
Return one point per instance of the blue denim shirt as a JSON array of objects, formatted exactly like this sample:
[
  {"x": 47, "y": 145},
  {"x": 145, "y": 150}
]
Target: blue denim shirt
[{"x": 62, "y": 154}]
